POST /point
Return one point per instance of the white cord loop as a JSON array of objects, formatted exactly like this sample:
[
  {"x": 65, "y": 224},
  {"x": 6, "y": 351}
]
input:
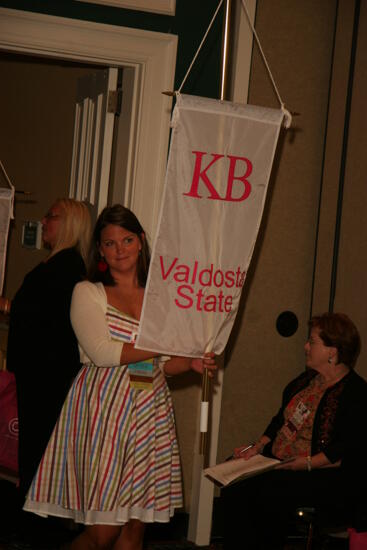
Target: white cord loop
[{"x": 287, "y": 118}]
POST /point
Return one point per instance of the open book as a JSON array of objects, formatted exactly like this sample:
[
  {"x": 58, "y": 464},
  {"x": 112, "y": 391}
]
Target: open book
[{"x": 238, "y": 468}]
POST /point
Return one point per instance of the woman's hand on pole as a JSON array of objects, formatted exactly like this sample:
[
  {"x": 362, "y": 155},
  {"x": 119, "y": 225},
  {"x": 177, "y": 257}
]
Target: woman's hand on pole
[{"x": 199, "y": 364}]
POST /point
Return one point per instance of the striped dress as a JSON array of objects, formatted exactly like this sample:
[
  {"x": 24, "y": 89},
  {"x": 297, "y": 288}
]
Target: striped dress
[{"x": 113, "y": 454}]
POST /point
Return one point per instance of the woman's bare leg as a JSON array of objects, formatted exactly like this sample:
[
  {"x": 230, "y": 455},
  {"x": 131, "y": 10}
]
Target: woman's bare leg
[
  {"x": 97, "y": 537},
  {"x": 131, "y": 537}
]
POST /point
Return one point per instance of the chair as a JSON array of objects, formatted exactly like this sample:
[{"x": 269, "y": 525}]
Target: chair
[{"x": 321, "y": 535}]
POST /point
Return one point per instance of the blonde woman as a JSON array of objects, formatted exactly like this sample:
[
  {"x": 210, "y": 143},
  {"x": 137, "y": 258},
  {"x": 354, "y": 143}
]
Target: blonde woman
[{"x": 42, "y": 349}]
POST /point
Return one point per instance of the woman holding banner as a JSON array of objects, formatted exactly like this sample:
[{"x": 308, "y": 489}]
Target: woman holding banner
[
  {"x": 320, "y": 438},
  {"x": 117, "y": 464}
]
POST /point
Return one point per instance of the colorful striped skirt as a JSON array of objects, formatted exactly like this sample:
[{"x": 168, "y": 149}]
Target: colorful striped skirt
[{"x": 113, "y": 454}]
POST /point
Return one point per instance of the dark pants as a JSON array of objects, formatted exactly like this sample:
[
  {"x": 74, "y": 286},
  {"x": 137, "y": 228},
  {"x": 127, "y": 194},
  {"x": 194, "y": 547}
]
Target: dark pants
[
  {"x": 39, "y": 407},
  {"x": 258, "y": 511}
]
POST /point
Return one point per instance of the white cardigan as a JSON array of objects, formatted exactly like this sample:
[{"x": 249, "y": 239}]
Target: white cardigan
[{"x": 88, "y": 318}]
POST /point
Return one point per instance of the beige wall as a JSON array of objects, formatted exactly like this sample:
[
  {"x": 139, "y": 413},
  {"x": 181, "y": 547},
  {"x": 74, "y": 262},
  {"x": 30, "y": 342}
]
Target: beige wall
[
  {"x": 351, "y": 277},
  {"x": 333, "y": 157},
  {"x": 350, "y": 286},
  {"x": 297, "y": 38},
  {"x": 309, "y": 51}
]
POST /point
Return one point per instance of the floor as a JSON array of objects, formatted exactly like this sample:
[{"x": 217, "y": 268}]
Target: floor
[{"x": 24, "y": 531}]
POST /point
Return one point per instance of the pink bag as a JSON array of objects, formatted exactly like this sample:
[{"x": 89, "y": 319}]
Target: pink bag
[
  {"x": 357, "y": 541},
  {"x": 8, "y": 427}
]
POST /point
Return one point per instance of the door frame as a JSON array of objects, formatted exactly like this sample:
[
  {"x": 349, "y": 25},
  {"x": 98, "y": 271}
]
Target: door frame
[{"x": 152, "y": 57}]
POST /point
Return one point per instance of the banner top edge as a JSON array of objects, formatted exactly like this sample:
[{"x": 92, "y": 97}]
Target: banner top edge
[{"x": 228, "y": 107}]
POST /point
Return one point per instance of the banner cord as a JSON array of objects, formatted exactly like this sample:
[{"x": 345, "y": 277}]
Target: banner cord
[
  {"x": 200, "y": 46},
  {"x": 262, "y": 53},
  {"x": 6, "y": 176},
  {"x": 287, "y": 114}
]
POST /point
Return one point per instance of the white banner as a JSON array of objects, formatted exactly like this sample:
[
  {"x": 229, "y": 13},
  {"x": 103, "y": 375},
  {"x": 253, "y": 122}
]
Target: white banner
[
  {"x": 6, "y": 214},
  {"x": 218, "y": 170}
]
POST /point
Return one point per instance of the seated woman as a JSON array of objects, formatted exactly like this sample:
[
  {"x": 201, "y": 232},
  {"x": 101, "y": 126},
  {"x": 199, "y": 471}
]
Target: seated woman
[{"x": 319, "y": 432}]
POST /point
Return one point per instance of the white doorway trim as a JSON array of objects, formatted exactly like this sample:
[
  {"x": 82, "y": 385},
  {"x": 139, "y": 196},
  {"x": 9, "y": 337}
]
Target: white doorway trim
[
  {"x": 167, "y": 7},
  {"x": 152, "y": 55}
]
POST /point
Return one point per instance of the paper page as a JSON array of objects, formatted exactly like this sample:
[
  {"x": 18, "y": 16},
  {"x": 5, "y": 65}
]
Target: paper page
[{"x": 228, "y": 471}]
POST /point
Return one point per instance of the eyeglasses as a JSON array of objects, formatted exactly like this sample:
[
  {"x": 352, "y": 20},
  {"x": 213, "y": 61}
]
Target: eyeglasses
[{"x": 51, "y": 216}]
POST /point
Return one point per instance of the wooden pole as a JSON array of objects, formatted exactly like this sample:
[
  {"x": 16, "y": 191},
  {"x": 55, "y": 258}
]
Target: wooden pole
[
  {"x": 225, "y": 50},
  {"x": 205, "y": 385}
]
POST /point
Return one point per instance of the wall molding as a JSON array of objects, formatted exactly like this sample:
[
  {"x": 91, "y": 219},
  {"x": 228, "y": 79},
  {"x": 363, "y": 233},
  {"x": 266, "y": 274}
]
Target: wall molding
[{"x": 152, "y": 55}]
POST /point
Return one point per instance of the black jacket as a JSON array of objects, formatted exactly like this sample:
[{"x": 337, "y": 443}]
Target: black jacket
[
  {"x": 43, "y": 352},
  {"x": 339, "y": 418}
]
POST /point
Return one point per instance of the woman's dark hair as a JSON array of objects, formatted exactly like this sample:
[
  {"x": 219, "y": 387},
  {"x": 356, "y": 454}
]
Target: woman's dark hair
[
  {"x": 123, "y": 217},
  {"x": 337, "y": 330}
]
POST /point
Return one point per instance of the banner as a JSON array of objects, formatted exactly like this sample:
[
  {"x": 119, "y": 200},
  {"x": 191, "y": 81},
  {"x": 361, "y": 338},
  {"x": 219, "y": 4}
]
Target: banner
[
  {"x": 6, "y": 214},
  {"x": 217, "y": 175}
]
